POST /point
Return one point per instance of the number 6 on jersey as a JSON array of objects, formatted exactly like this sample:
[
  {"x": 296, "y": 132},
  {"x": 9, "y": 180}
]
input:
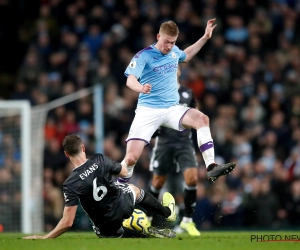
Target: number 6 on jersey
[{"x": 97, "y": 189}]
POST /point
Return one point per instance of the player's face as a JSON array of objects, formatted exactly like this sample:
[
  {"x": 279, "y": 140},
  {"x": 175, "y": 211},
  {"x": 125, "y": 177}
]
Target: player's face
[{"x": 165, "y": 43}]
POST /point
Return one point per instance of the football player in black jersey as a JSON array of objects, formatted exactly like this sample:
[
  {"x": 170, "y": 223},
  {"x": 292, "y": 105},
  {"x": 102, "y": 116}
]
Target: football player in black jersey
[
  {"x": 106, "y": 203},
  {"x": 174, "y": 151}
]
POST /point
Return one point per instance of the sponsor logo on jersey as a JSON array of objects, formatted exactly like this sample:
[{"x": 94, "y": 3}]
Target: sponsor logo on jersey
[
  {"x": 164, "y": 69},
  {"x": 88, "y": 171}
]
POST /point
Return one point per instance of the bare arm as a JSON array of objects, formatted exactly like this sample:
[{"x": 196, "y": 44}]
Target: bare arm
[
  {"x": 63, "y": 225},
  {"x": 133, "y": 83},
  {"x": 192, "y": 50}
]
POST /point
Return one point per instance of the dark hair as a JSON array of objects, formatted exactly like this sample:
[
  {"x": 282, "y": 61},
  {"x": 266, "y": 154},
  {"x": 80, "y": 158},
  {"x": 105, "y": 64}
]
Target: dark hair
[
  {"x": 169, "y": 28},
  {"x": 72, "y": 144}
]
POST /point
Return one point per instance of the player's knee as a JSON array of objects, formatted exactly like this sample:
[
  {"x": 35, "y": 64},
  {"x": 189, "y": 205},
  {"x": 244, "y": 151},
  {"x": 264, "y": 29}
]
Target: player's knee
[
  {"x": 136, "y": 190},
  {"x": 192, "y": 181},
  {"x": 191, "y": 177},
  {"x": 206, "y": 119},
  {"x": 200, "y": 120},
  {"x": 203, "y": 120},
  {"x": 158, "y": 183}
]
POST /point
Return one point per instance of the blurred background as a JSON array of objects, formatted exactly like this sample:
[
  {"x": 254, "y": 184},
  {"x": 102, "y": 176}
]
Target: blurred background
[{"x": 246, "y": 79}]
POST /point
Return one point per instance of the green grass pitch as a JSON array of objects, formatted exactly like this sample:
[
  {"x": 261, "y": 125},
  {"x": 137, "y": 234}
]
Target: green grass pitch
[{"x": 229, "y": 240}]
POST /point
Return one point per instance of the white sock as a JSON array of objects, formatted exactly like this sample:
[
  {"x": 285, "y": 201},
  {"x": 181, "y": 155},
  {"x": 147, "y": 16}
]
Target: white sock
[
  {"x": 186, "y": 220},
  {"x": 206, "y": 145},
  {"x": 129, "y": 168},
  {"x": 154, "y": 190}
]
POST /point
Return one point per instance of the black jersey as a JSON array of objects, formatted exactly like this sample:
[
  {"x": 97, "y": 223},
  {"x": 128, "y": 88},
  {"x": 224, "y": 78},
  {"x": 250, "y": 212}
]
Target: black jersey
[
  {"x": 168, "y": 135},
  {"x": 92, "y": 184}
]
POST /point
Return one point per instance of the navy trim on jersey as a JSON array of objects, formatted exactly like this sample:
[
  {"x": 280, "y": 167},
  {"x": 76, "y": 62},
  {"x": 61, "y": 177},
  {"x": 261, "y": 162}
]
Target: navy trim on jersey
[
  {"x": 138, "y": 139},
  {"x": 179, "y": 123},
  {"x": 141, "y": 51}
]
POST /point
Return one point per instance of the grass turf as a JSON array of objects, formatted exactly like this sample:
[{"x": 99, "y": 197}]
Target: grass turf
[{"x": 229, "y": 240}]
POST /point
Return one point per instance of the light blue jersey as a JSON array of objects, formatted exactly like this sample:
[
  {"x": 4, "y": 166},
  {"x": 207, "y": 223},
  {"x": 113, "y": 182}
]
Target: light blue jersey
[{"x": 160, "y": 71}]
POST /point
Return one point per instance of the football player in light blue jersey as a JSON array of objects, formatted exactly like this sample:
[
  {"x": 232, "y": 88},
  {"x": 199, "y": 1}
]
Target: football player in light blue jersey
[
  {"x": 152, "y": 66},
  {"x": 152, "y": 72}
]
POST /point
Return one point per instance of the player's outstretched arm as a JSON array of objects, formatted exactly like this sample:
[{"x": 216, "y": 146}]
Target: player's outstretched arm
[
  {"x": 133, "y": 83},
  {"x": 63, "y": 225},
  {"x": 192, "y": 50}
]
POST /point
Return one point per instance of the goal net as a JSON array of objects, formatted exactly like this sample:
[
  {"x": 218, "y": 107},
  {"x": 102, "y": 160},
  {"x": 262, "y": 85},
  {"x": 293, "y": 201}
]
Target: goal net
[
  {"x": 15, "y": 168},
  {"x": 22, "y": 145}
]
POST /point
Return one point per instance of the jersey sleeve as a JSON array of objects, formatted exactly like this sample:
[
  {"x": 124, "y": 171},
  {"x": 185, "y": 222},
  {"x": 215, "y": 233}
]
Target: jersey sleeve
[
  {"x": 113, "y": 167},
  {"x": 136, "y": 65},
  {"x": 182, "y": 55},
  {"x": 70, "y": 197}
]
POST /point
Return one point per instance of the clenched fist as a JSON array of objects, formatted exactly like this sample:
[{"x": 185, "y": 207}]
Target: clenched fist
[{"x": 146, "y": 89}]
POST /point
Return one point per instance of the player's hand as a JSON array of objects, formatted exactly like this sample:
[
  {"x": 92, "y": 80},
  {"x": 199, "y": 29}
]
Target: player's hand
[
  {"x": 209, "y": 28},
  {"x": 34, "y": 237},
  {"x": 146, "y": 89}
]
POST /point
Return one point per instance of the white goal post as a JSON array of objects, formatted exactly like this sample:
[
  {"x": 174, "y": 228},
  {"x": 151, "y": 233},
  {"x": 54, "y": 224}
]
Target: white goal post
[
  {"x": 22, "y": 109},
  {"x": 25, "y": 124}
]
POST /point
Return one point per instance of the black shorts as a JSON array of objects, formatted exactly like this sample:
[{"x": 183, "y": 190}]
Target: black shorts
[
  {"x": 175, "y": 183},
  {"x": 173, "y": 158},
  {"x": 111, "y": 224}
]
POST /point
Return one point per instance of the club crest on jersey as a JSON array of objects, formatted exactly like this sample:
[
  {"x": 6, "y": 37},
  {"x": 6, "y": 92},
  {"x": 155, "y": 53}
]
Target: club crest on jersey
[
  {"x": 155, "y": 164},
  {"x": 173, "y": 55},
  {"x": 132, "y": 64},
  {"x": 185, "y": 95}
]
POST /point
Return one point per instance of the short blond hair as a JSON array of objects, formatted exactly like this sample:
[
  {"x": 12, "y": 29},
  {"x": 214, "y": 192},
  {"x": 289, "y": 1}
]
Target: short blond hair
[{"x": 169, "y": 28}]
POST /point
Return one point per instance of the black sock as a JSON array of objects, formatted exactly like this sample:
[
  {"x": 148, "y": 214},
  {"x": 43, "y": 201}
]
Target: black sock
[
  {"x": 154, "y": 191},
  {"x": 147, "y": 201},
  {"x": 189, "y": 200}
]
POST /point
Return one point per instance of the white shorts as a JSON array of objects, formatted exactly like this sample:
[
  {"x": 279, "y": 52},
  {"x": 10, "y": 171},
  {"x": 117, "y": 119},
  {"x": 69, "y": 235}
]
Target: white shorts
[{"x": 148, "y": 120}]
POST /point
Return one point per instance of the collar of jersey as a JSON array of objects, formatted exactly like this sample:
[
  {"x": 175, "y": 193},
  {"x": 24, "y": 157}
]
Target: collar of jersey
[
  {"x": 153, "y": 46},
  {"x": 80, "y": 165}
]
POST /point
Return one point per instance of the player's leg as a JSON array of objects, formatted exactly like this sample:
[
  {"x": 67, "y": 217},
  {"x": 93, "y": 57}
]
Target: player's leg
[
  {"x": 118, "y": 231},
  {"x": 157, "y": 183},
  {"x": 186, "y": 158},
  {"x": 147, "y": 201},
  {"x": 160, "y": 164},
  {"x": 137, "y": 195},
  {"x": 197, "y": 120},
  {"x": 109, "y": 229},
  {"x": 190, "y": 196},
  {"x": 134, "y": 150},
  {"x": 145, "y": 123}
]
